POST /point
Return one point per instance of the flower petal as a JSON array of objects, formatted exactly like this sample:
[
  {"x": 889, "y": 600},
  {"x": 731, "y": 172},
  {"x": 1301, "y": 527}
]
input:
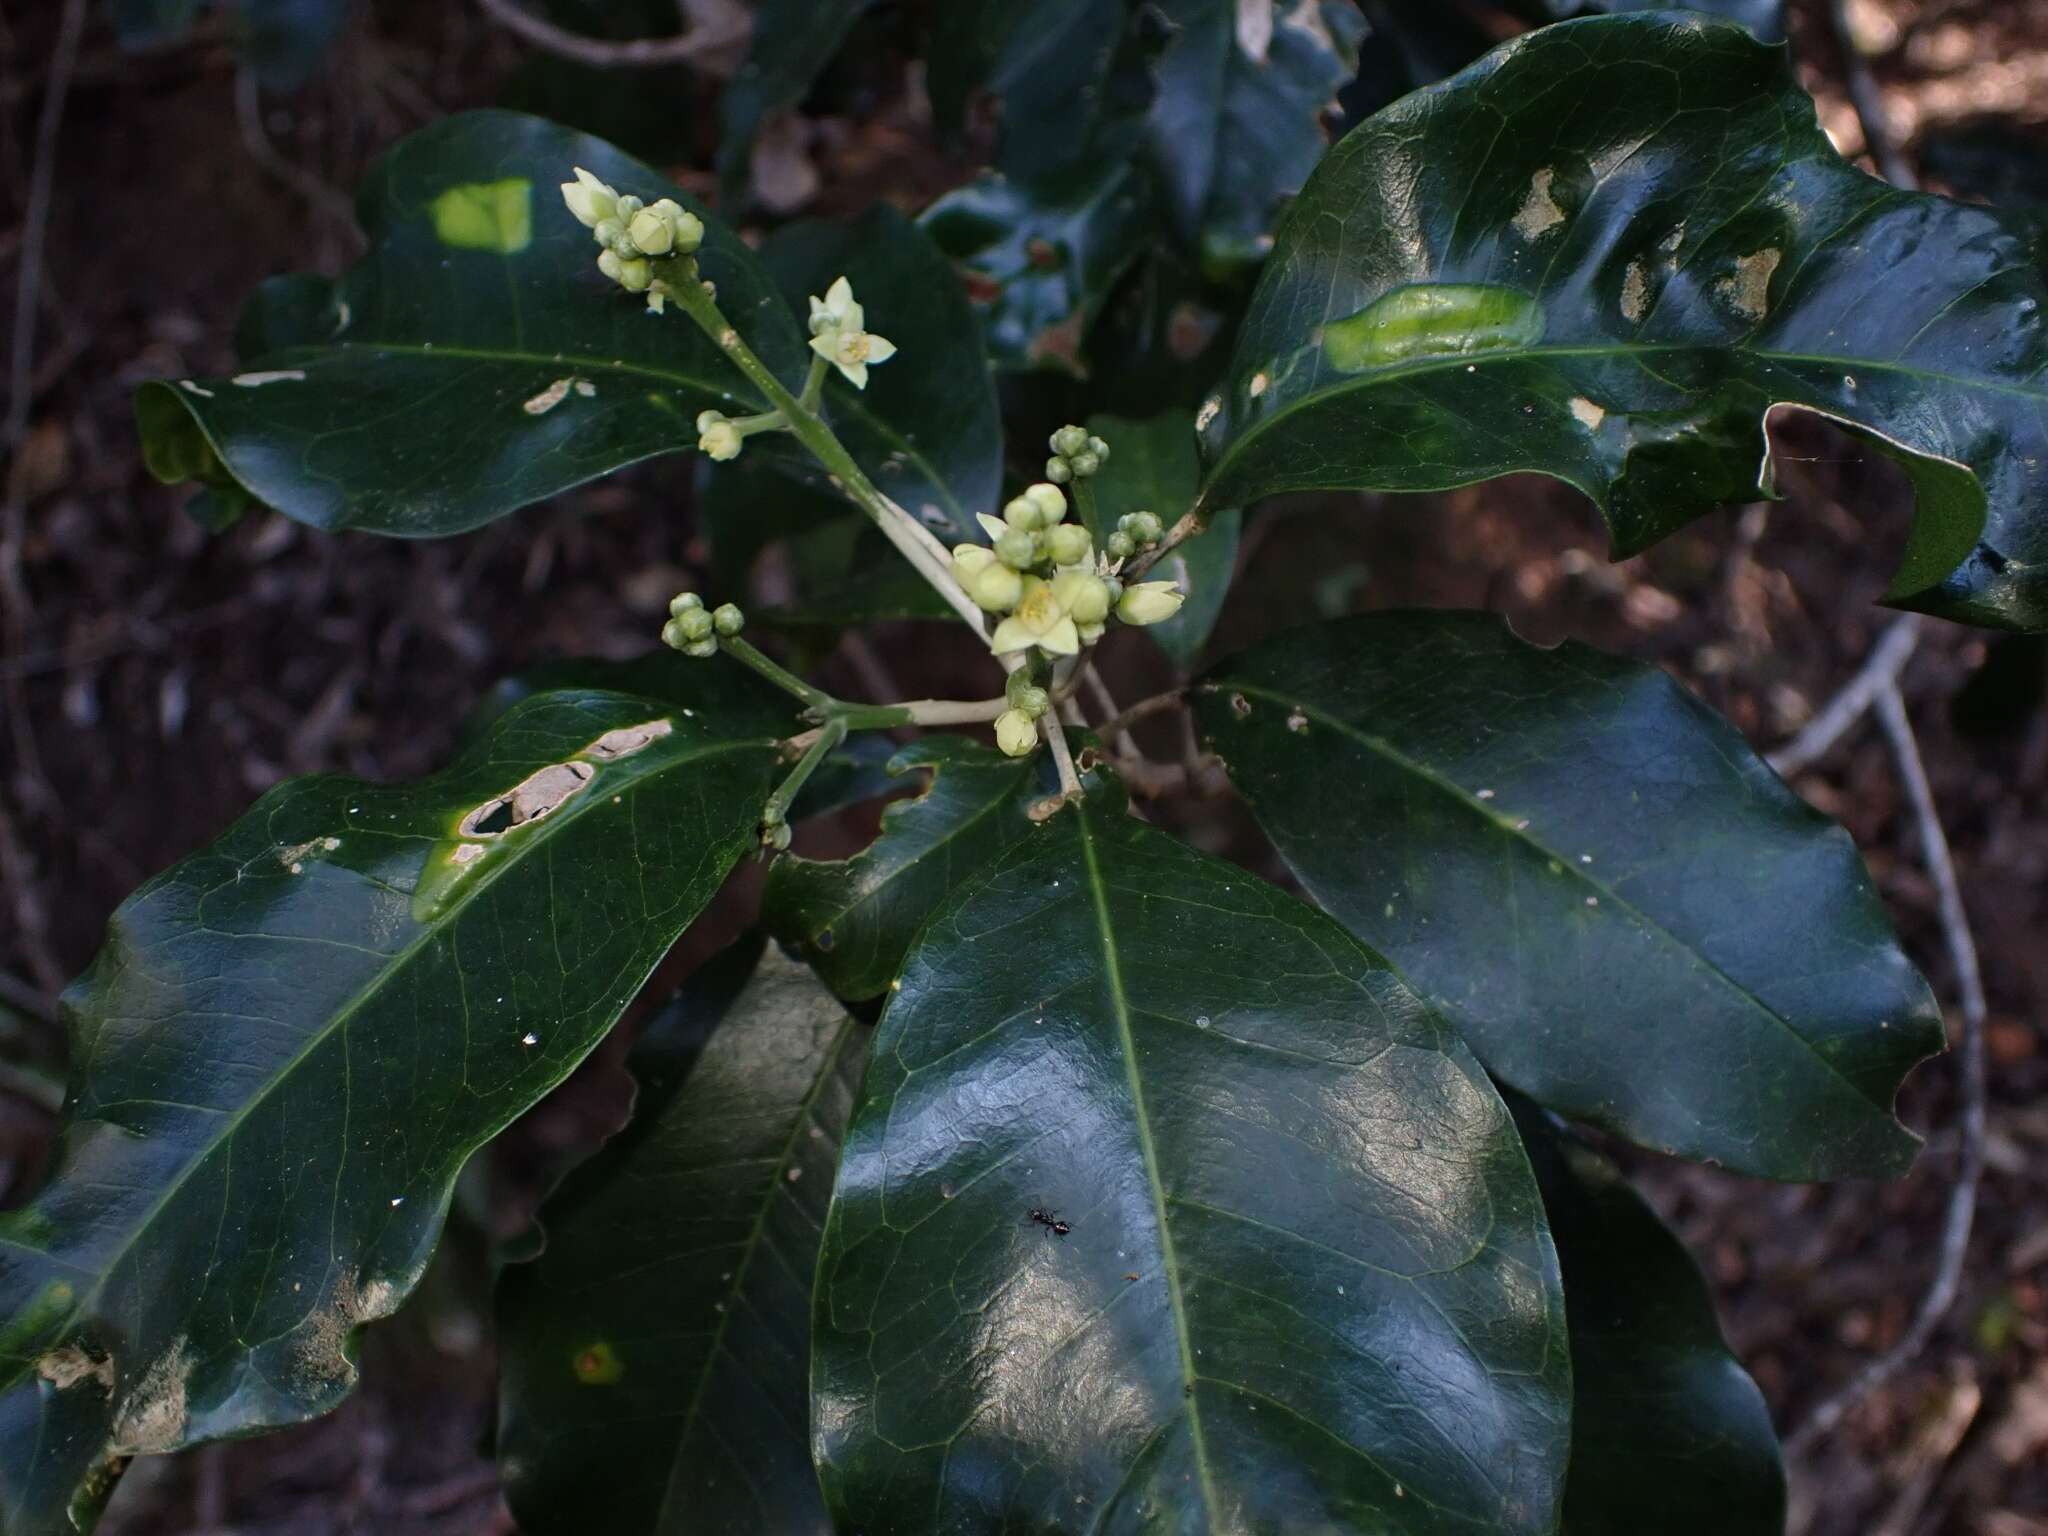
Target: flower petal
[
  {"x": 1061, "y": 640},
  {"x": 880, "y": 348},
  {"x": 1011, "y": 636}
]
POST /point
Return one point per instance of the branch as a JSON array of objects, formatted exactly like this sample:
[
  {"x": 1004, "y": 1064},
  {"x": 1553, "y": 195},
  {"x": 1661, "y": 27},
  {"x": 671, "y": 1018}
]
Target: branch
[
  {"x": 1962, "y": 1199},
  {"x": 1143, "y": 709},
  {"x": 1880, "y": 671},
  {"x": 1869, "y": 105},
  {"x": 640, "y": 53}
]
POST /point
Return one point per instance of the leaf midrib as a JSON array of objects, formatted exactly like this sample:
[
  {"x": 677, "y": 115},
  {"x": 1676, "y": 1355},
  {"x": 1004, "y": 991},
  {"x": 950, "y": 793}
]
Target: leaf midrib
[
  {"x": 1113, "y": 974},
  {"x": 233, "y": 1122},
  {"x": 1457, "y": 793},
  {"x": 1452, "y": 361}
]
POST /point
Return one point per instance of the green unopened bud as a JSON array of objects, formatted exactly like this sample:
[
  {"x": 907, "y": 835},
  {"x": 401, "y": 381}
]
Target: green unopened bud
[
  {"x": 682, "y": 603},
  {"x": 1143, "y": 527},
  {"x": 1069, "y": 544},
  {"x": 653, "y": 234},
  {"x": 776, "y": 837},
  {"x": 689, "y": 228},
  {"x": 1057, "y": 471},
  {"x": 695, "y": 625},
  {"x": 727, "y": 619},
  {"x": 672, "y": 635},
  {"x": 628, "y": 206},
  {"x": 996, "y": 587},
  {"x": 1084, "y": 464},
  {"x": 1018, "y": 550},
  {"x": 1069, "y": 441},
  {"x": 1099, "y": 448},
  {"x": 1082, "y": 594},
  {"x": 610, "y": 264},
  {"x": 701, "y": 648},
  {"x": 1050, "y": 500},
  {"x": 1025, "y": 696},
  {"x": 609, "y": 232},
  {"x": 1022, "y": 512},
  {"x": 1118, "y": 546},
  {"x": 1016, "y": 734},
  {"x": 1149, "y": 602},
  {"x": 1090, "y": 633},
  {"x": 635, "y": 276},
  {"x": 969, "y": 560}
]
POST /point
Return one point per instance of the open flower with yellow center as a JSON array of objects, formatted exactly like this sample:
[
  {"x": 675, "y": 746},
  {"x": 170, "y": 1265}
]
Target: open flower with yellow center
[
  {"x": 838, "y": 334},
  {"x": 1038, "y": 620}
]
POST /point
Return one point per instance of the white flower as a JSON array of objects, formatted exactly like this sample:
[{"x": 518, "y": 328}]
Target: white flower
[
  {"x": 1149, "y": 602},
  {"x": 1040, "y": 621},
  {"x": 589, "y": 199},
  {"x": 1015, "y": 733},
  {"x": 838, "y": 337}
]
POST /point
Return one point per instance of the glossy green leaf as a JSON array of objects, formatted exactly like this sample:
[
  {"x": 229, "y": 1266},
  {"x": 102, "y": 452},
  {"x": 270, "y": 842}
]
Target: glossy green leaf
[
  {"x": 928, "y": 421},
  {"x": 1669, "y": 1434},
  {"x": 1765, "y": 18},
  {"x": 655, "y": 1358},
  {"x": 1236, "y": 124},
  {"x": 476, "y": 360},
  {"x": 1153, "y": 468},
  {"x": 1628, "y": 915},
  {"x": 1306, "y": 1285},
  {"x": 294, "y": 1039},
  {"x": 854, "y": 918},
  {"x": 1040, "y": 258},
  {"x": 1606, "y": 253},
  {"x": 793, "y": 42}
]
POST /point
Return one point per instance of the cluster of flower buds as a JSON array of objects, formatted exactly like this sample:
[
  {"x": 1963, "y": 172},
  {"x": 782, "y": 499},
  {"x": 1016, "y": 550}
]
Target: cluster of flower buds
[
  {"x": 633, "y": 235},
  {"x": 1075, "y": 455},
  {"x": 1017, "y": 726},
  {"x": 1135, "y": 531},
  {"x": 694, "y": 629}
]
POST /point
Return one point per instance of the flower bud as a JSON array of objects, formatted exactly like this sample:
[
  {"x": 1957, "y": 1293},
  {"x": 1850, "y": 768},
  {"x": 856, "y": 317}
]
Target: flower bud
[
  {"x": 969, "y": 560},
  {"x": 717, "y": 438},
  {"x": 1018, "y": 550},
  {"x": 777, "y": 836},
  {"x": 1118, "y": 546},
  {"x": 1057, "y": 472},
  {"x": 1069, "y": 544},
  {"x": 635, "y": 275},
  {"x": 1084, "y": 464},
  {"x": 1022, "y": 512},
  {"x": 672, "y": 635},
  {"x": 1025, "y": 696},
  {"x": 996, "y": 588},
  {"x": 1015, "y": 733},
  {"x": 609, "y": 232},
  {"x": 683, "y": 602},
  {"x": 727, "y": 619},
  {"x": 1082, "y": 594},
  {"x": 689, "y": 228},
  {"x": 651, "y": 233},
  {"x": 1090, "y": 633},
  {"x": 610, "y": 265},
  {"x": 1143, "y": 527},
  {"x": 696, "y": 625},
  {"x": 1050, "y": 500},
  {"x": 590, "y": 200},
  {"x": 1099, "y": 448},
  {"x": 1069, "y": 441},
  {"x": 1149, "y": 602},
  {"x": 628, "y": 206}
]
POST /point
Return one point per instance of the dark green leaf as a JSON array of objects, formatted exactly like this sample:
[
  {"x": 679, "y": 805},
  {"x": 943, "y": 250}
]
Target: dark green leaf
[
  {"x": 1233, "y": 134},
  {"x": 793, "y": 42},
  {"x": 1669, "y": 1434},
  {"x": 649, "y": 112},
  {"x": 1307, "y": 1284},
  {"x": 655, "y": 1356},
  {"x": 928, "y": 420},
  {"x": 294, "y": 1039},
  {"x": 1765, "y": 18},
  {"x": 1606, "y": 253},
  {"x": 1630, "y": 917},
  {"x": 855, "y": 918},
  {"x": 1040, "y": 258},
  {"x": 475, "y": 361},
  {"x": 1153, "y": 468}
]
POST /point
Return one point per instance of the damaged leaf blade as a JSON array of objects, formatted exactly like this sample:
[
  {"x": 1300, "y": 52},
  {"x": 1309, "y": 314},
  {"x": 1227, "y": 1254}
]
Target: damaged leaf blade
[
  {"x": 292, "y": 1041},
  {"x": 1615, "y": 281}
]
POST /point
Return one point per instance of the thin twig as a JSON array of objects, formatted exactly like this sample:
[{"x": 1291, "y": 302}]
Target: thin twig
[
  {"x": 1962, "y": 1201},
  {"x": 1143, "y": 709},
  {"x": 639, "y": 53},
  {"x": 1049, "y": 727},
  {"x": 1880, "y": 670},
  {"x": 1105, "y": 701},
  {"x": 329, "y": 203},
  {"x": 1186, "y": 528},
  {"x": 1869, "y": 105}
]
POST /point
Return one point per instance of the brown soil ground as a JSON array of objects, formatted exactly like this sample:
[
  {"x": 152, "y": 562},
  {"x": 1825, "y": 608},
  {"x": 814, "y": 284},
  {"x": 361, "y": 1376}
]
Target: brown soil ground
[{"x": 161, "y": 678}]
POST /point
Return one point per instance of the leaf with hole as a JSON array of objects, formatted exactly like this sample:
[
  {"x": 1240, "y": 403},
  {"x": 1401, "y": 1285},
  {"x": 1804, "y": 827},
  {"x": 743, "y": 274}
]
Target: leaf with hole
[
  {"x": 855, "y": 918},
  {"x": 1609, "y": 252},
  {"x": 1631, "y": 918},
  {"x": 1304, "y": 1281},
  {"x": 293, "y": 1041},
  {"x": 654, "y": 1358}
]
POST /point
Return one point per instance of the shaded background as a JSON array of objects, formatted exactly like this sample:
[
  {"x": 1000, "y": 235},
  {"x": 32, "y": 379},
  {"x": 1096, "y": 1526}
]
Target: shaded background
[{"x": 157, "y": 678}]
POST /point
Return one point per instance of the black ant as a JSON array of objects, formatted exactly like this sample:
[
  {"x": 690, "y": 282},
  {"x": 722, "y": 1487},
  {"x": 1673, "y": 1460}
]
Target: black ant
[{"x": 1050, "y": 1220}]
